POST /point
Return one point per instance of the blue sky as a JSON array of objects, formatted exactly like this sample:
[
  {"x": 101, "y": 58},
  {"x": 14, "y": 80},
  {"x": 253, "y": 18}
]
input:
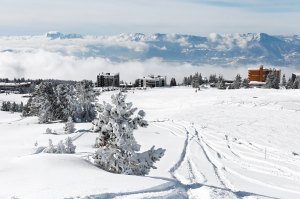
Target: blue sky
[{"x": 108, "y": 17}]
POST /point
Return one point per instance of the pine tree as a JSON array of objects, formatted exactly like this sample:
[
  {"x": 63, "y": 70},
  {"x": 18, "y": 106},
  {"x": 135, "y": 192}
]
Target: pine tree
[
  {"x": 44, "y": 104},
  {"x": 290, "y": 83},
  {"x": 69, "y": 146},
  {"x": 117, "y": 148},
  {"x": 221, "y": 82},
  {"x": 4, "y": 106},
  {"x": 296, "y": 84},
  {"x": 69, "y": 126},
  {"x": 173, "y": 82},
  {"x": 237, "y": 82},
  {"x": 245, "y": 83},
  {"x": 272, "y": 81},
  {"x": 62, "y": 147},
  {"x": 66, "y": 102},
  {"x": 8, "y": 106},
  {"x": 85, "y": 109},
  {"x": 13, "y": 107},
  {"x": 21, "y": 107},
  {"x": 195, "y": 81},
  {"x": 50, "y": 148},
  {"x": 213, "y": 78},
  {"x": 283, "y": 82}
]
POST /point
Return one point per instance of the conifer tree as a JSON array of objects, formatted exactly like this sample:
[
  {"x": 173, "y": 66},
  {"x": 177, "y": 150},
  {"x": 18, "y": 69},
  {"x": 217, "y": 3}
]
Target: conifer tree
[
  {"x": 117, "y": 148},
  {"x": 69, "y": 126},
  {"x": 283, "y": 82},
  {"x": 245, "y": 83},
  {"x": 237, "y": 82}
]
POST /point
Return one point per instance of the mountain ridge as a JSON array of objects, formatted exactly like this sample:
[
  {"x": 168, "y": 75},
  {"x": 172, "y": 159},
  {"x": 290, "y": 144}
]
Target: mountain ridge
[{"x": 216, "y": 49}]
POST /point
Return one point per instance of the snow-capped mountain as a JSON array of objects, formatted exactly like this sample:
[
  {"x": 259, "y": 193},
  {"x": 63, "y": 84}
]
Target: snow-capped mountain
[
  {"x": 215, "y": 49},
  {"x": 58, "y": 35}
]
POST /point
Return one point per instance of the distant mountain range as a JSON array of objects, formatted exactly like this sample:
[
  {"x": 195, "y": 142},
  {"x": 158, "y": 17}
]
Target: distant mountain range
[{"x": 215, "y": 49}]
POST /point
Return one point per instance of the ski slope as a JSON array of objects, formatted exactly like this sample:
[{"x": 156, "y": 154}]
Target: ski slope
[{"x": 220, "y": 144}]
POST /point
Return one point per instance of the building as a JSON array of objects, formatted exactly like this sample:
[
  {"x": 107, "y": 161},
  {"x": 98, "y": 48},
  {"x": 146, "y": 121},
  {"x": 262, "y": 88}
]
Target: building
[
  {"x": 152, "y": 81},
  {"x": 14, "y": 87},
  {"x": 108, "y": 80},
  {"x": 260, "y": 74}
]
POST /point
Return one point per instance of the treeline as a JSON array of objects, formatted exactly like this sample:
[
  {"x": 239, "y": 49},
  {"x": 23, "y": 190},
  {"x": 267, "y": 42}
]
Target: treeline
[
  {"x": 12, "y": 106},
  {"x": 213, "y": 80},
  {"x": 291, "y": 83},
  {"x": 272, "y": 81},
  {"x": 34, "y": 83},
  {"x": 52, "y": 102}
]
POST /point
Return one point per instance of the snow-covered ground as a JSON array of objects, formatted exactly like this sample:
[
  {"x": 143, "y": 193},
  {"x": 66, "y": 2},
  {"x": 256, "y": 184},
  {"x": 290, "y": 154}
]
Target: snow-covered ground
[{"x": 220, "y": 144}]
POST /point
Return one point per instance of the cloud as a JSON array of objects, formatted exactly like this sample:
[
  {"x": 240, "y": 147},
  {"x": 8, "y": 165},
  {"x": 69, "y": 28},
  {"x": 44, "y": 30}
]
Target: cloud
[
  {"x": 169, "y": 16},
  {"x": 45, "y": 64}
]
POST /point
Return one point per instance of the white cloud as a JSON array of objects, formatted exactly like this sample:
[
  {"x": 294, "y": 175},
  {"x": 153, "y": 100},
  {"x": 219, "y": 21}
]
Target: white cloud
[
  {"x": 44, "y": 64},
  {"x": 116, "y": 16}
]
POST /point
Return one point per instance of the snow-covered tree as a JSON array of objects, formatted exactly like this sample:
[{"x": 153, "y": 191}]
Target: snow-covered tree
[
  {"x": 290, "y": 83},
  {"x": 221, "y": 82},
  {"x": 237, "y": 82},
  {"x": 69, "y": 126},
  {"x": 50, "y": 148},
  {"x": 296, "y": 84},
  {"x": 245, "y": 83},
  {"x": 213, "y": 78},
  {"x": 85, "y": 111},
  {"x": 272, "y": 80},
  {"x": 66, "y": 101},
  {"x": 13, "y": 107},
  {"x": 48, "y": 131},
  {"x": 4, "y": 106},
  {"x": 117, "y": 148},
  {"x": 62, "y": 147},
  {"x": 173, "y": 82},
  {"x": 43, "y": 103},
  {"x": 283, "y": 81}
]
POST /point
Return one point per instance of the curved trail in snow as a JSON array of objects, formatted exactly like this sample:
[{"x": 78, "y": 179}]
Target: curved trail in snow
[{"x": 198, "y": 171}]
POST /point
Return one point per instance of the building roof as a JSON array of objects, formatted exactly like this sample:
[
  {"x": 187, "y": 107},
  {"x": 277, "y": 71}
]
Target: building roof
[
  {"x": 152, "y": 77},
  {"x": 276, "y": 69},
  {"x": 109, "y": 74}
]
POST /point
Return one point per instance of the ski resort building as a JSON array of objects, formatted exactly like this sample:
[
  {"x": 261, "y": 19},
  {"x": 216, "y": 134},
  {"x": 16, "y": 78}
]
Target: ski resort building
[
  {"x": 152, "y": 81},
  {"x": 108, "y": 80},
  {"x": 13, "y": 87},
  {"x": 260, "y": 74}
]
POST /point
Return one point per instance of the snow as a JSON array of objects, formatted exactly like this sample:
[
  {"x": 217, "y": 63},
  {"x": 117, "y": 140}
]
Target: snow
[
  {"x": 219, "y": 144},
  {"x": 14, "y": 84}
]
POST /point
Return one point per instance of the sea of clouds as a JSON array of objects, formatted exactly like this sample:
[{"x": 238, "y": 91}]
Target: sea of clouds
[{"x": 39, "y": 57}]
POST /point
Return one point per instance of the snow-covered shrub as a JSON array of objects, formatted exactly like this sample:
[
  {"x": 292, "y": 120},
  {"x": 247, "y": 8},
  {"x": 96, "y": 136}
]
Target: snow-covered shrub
[
  {"x": 117, "y": 148},
  {"x": 62, "y": 147},
  {"x": 50, "y": 148},
  {"x": 49, "y": 131},
  {"x": 69, "y": 146},
  {"x": 69, "y": 126}
]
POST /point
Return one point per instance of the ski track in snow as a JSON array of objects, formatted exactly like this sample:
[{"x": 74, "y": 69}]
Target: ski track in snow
[{"x": 187, "y": 180}]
